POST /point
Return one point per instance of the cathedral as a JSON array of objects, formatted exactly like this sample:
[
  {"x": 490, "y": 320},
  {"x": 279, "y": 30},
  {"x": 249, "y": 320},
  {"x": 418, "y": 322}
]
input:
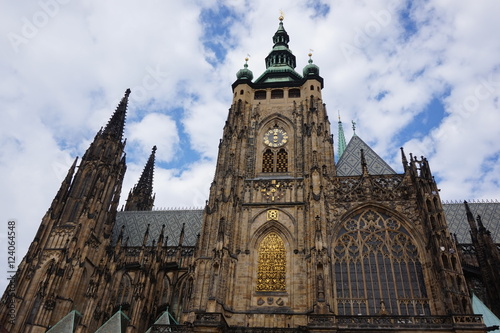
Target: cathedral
[{"x": 289, "y": 240}]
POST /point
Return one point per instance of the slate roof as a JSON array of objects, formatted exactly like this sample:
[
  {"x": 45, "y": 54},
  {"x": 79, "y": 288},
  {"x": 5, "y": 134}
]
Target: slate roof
[
  {"x": 136, "y": 224},
  {"x": 457, "y": 219},
  {"x": 349, "y": 163}
]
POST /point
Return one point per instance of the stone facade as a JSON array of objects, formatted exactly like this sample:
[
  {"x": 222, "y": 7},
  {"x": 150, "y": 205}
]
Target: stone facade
[{"x": 286, "y": 243}]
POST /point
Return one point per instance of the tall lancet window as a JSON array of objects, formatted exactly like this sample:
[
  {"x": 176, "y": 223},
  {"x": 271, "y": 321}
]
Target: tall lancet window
[
  {"x": 124, "y": 290},
  {"x": 377, "y": 268},
  {"x": 271, "y": 273}
]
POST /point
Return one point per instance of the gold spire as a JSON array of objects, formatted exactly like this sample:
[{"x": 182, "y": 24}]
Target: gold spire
[{"x": 282, "y": 16}]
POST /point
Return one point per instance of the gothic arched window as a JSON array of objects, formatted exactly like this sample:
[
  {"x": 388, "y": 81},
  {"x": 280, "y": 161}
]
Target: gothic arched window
[
  {"x": 268, "y": 161},
  {"x": 124, "y": 290},
  {"x": 377, "y": 268},
  {"x": 282, "y": 161},
  {"x": 165, "y": 291},
  {"x": 271, "y": 274}
]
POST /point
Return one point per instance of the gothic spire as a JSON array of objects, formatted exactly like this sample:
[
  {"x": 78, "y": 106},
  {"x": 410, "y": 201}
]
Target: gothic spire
[
  {"x": 141, "y": 196},
  {"x": 62, "y": 194},
  {"x": 404, "y": 160},
  {"x": 341, "y": 140},
  {"x": 114, "y": 128},
  {"x": 470, "y": 219}
]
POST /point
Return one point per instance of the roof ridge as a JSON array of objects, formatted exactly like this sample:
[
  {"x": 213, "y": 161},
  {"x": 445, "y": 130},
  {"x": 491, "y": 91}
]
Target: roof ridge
[{"x": 454, "y": 201}]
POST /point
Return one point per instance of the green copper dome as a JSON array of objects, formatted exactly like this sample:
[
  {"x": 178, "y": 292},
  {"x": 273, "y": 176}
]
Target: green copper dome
[
  {"x": 310, "y": 69},
  {"x": 244, "y": 73}
]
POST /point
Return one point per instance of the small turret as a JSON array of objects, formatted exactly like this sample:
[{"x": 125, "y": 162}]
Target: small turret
[
  {"x": 245, "y": 73},
  {"x": 310, "y": 70}
]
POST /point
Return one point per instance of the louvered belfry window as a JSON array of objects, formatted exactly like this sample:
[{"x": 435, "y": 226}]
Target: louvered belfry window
[
  {"x": 268, "y": 161},
  {"x": 282, "y": 161},
  {"x": 275, "y": 162}
]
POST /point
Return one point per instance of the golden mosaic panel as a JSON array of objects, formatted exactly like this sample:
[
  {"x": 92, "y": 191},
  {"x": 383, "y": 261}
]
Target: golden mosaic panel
[{"x": 272, "y": 264}]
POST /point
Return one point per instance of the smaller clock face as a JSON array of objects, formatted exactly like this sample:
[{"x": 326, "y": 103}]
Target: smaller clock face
[{"x": 275, "y": 137}]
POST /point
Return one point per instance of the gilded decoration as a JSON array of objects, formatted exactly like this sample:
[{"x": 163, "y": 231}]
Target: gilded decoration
[
  {"x": 273, "y": 191},
  {"x": 377, "y": 268},
  {"x": 272, "y": 264},
  {"x": 272, "y": 215}
]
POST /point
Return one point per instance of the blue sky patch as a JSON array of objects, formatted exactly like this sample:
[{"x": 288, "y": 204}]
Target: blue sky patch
[
  {"x": 381, "y": 95},
  {"x": 217, "y": 38},
  {"x": 409, "y": 25},
  {"x": 320, "y": 9},
  {"x": 424, "y": 122}
]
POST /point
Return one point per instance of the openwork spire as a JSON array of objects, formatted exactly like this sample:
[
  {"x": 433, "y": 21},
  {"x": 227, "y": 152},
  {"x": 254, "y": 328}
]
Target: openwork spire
[
  {"x": 141, "y": 196},
  {"x": 114, "y": 128}
]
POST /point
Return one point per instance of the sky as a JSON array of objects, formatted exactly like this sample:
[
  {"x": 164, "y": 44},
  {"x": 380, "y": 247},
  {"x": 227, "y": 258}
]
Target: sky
[{"x": 423, "y": 75}]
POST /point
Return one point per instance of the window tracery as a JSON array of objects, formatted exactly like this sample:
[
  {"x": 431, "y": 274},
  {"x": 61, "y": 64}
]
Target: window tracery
[
  {"x": 271, "y": 272},
  {"x": 377, "y": 262}
]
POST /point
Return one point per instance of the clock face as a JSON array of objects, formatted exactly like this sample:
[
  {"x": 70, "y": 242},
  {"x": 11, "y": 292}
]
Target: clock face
[{"x": 275, "y": 137}]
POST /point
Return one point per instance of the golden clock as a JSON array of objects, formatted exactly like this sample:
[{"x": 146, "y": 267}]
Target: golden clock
[{"x": 275, "y": 137}]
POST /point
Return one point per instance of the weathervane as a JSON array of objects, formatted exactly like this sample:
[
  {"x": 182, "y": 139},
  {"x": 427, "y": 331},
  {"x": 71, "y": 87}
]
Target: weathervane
[
  {"x": 282, "y": 15},
  {"x": 353, "y": 127}
]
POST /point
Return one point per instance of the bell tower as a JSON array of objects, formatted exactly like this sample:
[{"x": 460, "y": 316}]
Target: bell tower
[{"x": 262, "y": 238}]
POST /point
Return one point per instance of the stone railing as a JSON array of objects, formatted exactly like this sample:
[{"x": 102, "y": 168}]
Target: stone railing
[
  {"x": 434, "y": 322},
  {"x": 338, "y": 323}
]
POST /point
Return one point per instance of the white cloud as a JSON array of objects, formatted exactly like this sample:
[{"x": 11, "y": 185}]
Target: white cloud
[{"x": 155, "y": 129}]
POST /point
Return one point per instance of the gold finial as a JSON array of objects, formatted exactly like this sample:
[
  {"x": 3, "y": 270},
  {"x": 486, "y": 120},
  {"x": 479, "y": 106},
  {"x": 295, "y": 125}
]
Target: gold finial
[
  {"x": 246, "y": 59},
  {"x": 282, "y": 15},
  {"x": 310, "y": 54}
]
